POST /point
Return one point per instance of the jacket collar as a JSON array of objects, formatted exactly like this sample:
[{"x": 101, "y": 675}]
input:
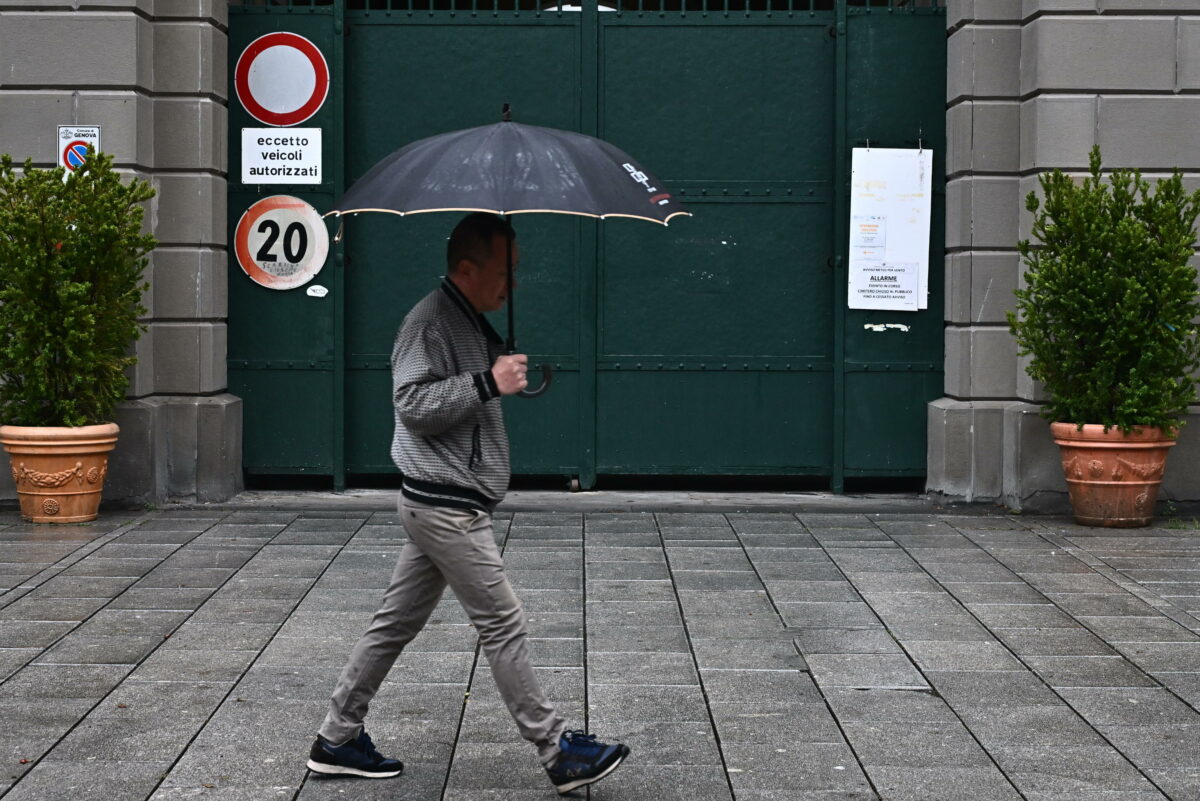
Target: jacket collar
[{"x": 478, "y": 320}]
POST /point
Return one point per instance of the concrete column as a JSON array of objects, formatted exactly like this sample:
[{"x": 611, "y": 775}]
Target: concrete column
[
  {"x": 153, "y": 77},
  {"x": 1032, "y": 86}
]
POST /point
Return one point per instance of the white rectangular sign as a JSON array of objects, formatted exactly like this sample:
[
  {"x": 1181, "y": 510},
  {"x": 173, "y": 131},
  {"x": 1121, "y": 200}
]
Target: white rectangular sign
[
  {"x": 73, "y": 141},
  {"x": 891, "y": 200},
  {"x": 281, "y": 155}
]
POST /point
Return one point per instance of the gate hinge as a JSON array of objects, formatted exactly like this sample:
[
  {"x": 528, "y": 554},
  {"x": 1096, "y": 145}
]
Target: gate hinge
[{"x": 832, "y": 31}]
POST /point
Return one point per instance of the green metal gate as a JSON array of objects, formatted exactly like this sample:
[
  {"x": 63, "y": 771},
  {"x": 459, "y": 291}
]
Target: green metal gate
[{"x": 719, "y": 346}]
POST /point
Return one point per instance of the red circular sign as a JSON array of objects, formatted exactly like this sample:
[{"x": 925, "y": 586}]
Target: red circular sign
[
  {"x": 281, "y": 79},
  {"x": 281, "y": 242},
  {"x": 74, "y": 154}
]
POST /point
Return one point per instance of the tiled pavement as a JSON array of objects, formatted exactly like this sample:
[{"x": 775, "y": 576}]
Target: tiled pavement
[{"x": 751, "y": 656}]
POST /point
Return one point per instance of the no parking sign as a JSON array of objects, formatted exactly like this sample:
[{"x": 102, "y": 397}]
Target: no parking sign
[
  {"x": 281, "y": 242},
  {"x": 73, "y": 141}
]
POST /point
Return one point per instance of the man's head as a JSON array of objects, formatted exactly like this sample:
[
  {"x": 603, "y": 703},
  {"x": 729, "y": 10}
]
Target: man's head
[{"x": 477, "y": 262}]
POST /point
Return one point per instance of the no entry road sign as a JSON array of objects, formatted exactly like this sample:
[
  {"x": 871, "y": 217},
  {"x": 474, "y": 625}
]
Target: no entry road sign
[
  {"x": 281, "y": 79},
  {"x": 281, "y": 242}
]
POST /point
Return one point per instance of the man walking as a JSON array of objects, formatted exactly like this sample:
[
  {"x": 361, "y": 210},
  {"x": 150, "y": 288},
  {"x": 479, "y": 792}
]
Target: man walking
[{"x": 452, "y": 449}]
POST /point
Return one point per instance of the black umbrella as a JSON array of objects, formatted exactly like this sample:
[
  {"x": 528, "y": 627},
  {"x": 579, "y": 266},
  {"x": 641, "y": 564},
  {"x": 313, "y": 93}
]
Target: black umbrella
[{"x": 508, "y": 168}]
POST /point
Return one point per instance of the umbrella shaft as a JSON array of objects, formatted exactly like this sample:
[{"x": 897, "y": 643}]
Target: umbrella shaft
[{"x": 511, "y": 344}]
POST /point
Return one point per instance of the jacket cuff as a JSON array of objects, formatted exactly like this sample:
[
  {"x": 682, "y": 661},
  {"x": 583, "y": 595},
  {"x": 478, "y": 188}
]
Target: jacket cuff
[{"x": 485, "y": 385}]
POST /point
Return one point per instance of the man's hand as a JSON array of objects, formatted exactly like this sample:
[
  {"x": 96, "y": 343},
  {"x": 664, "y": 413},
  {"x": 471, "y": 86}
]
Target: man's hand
[{"x": 509, "y": 372}]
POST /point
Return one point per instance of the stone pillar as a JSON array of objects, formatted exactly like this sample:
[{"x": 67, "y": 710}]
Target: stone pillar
[
  {"x": 153, "y": 77},
  {"x": 1031, "y": 87}
]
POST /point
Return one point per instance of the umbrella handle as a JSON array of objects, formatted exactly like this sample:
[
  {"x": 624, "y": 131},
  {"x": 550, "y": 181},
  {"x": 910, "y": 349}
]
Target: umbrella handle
[{"x": 547, "y": 375}]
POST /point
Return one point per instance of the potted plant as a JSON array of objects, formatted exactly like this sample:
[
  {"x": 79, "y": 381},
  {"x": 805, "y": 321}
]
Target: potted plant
[
  {"x": 1108, "y": 315},
  {"x": 72, "y": 253}
]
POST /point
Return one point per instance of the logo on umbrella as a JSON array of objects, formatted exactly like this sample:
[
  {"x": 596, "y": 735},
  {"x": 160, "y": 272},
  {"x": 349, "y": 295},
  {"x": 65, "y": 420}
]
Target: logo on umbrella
[{"x": 660, "y": 199}]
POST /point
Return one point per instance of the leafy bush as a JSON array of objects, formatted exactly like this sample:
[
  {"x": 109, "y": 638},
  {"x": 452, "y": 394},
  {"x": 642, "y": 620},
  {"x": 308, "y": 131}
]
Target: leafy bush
[
  {"x": 1109, "y": 310},
  {"x": 71, "y": 260}
]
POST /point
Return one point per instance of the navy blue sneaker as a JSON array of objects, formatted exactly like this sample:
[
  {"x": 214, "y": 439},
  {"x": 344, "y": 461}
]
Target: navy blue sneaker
[
  {"x": 582, "y": 761},
  {"x": 356, "y": 757}
]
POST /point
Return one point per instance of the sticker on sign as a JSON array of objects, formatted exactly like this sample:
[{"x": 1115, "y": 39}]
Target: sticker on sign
[{"x": 281, "y": 155}]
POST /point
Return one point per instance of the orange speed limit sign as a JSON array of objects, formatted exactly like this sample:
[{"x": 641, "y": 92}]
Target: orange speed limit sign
[{"x": 281, "y": 242}]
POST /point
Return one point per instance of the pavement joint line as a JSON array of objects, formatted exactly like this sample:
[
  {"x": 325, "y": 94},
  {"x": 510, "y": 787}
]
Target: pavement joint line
[
  {"x": 470, "y": 686},
  {"x": 233, "y": 685},
  {"x": 796, "y": 646},
  {"x": 932, "y": 687},
  {"x": 1031, "y": 670},
  {"x": 88, "y": 547},
  {"x": 120, "y": 531},
  {"x": 1181, "y": 616},
  {"x": 712, "y": 721}
]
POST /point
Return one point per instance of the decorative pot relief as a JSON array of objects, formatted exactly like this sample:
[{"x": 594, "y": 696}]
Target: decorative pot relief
[
  {"x": 47, "y": 480},
  {"x": 1072, "y": 469},
  {"x": 96, "y": 474},
  {"x": 50, "y": 506},
  {"x": 1096, "y": 468},
  {"x": 1146, "y": 472}
]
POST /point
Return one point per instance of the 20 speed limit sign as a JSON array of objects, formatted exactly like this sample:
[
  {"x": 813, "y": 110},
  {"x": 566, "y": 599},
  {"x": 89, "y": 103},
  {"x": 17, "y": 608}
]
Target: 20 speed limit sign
[{"x": 281, "y": 242}]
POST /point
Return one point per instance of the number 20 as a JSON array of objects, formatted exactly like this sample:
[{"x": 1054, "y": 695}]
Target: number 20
[{"x": 271, "y": 229}]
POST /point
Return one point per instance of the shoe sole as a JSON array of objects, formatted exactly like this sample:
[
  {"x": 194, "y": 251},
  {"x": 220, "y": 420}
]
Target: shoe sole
[
  {"x": 338, "y": 770},
  {"x": 575, "y": 785}
]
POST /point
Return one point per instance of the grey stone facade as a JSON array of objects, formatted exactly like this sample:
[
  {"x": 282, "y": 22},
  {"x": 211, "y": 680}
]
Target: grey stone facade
[
  {"x": 1031, "y": 87},
  {"x": 152, "y": 75}
]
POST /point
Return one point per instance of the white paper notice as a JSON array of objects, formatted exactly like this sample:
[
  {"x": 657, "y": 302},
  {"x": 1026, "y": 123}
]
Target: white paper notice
[
  {"x": 890, "y": 208},
  {"x": 885, "y": 285},
  {"x": 281, "y": 155}
]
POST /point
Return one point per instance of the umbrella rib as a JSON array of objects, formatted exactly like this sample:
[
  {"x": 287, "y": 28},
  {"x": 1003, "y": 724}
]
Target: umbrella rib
[{"x": 340, "y": 212}]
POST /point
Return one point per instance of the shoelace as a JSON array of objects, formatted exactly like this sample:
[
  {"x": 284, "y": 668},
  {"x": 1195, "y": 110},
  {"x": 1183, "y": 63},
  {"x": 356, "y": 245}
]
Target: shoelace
[
  {"x": 579, "y": 741},
  {"x": 368, "y": 747}
]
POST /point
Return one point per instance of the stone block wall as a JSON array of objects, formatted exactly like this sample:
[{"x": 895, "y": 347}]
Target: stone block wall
[
  {"x": 152, "y": 75},
  {"x": 1032, "y": 85}
]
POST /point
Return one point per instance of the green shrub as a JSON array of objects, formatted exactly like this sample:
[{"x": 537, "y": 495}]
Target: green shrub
[
  {"x": 1109, "y": 310},
  {"x": 71, "y": 259}
]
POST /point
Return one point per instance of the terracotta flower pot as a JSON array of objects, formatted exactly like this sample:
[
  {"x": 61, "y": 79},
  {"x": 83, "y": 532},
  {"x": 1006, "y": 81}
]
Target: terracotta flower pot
[
  {"x": 1112, "y": 478},
  {"x": 59, "y": 472}
]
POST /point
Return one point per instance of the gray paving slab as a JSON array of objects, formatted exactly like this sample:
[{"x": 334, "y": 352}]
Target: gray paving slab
[
  {"x": 743, "y": 654},
  {"x": 1053, "y": 642},
  {"x": 762, "y": 723},
  {"x": 63, "y": 681},
  {"x": 1074, "y": 769},
  {"x": 865, "y": 671},
  {"x": 935, "y": 640},
  {"x": 88, "y": 780},
  {"x": 918, "y": 745},
  {"x": 900, "y": 783}
]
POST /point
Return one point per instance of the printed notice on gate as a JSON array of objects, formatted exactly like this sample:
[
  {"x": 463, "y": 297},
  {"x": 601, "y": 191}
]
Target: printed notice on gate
[
  {"x": 884, "y": 285},
  {"x": 281, "y": 155},
  {"x": 891, "y": 200}
]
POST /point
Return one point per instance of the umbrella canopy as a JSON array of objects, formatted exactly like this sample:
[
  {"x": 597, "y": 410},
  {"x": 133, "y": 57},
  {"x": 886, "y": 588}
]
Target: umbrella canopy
[{"x": 508, "y": 168}]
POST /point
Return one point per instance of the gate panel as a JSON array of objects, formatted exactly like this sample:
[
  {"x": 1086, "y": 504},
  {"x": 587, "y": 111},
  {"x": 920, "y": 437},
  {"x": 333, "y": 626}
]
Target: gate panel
[
  {"x": 720, "y": 345},
  {"x": 281, "y": 352},
  {"x": 891, "y": 375},
  {"x": 532, "y": 63},
  {"x": 715, "y": 336}
]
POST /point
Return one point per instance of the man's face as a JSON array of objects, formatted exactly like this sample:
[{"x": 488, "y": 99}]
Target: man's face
[{"x": 486, "y": 284}]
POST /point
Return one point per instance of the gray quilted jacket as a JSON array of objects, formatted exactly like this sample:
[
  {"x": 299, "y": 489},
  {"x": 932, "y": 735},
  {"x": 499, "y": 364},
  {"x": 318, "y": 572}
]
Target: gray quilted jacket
[{"x": 449, "y": 442}]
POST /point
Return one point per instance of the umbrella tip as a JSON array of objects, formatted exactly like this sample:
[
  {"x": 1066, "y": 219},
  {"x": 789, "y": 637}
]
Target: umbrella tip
[{"x": 506, "y": 113}]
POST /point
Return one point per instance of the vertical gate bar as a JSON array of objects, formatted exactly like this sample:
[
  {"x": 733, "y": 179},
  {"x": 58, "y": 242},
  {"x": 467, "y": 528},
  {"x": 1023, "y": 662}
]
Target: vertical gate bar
[
  {"x": 339, "y": 258},
  {"x": 840, "y": 244},
  {"x": 589, "y": 247}
]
